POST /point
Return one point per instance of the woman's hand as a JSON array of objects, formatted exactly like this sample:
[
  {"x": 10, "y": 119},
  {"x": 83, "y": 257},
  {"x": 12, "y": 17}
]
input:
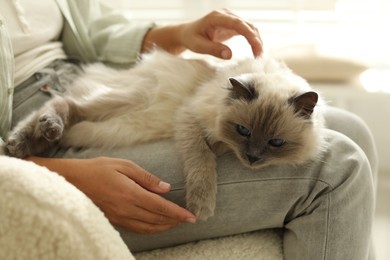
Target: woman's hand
[
  {"x": 205, "y": 35},
  {"x": 126, "y": 193}
]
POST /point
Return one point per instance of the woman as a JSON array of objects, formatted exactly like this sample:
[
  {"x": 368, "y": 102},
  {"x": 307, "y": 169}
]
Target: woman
[{"x": 321, "y": 205}]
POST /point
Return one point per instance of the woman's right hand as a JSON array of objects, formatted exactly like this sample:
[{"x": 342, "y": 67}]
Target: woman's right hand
[
  {"x": 126, "y": 193},
  {"x": 204, "y": 35}
]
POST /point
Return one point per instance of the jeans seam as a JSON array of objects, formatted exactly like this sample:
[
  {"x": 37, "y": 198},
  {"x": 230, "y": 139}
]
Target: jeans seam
[
  {"x": 327, "y": 226},
  {"x": 275, "y": 179},
  {"x": 267, "y": 179}
]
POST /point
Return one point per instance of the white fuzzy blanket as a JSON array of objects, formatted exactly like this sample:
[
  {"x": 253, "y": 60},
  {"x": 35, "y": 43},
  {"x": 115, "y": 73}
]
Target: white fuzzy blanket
[
  {"x": 259, "y": 245},
  {"x": 44, "y": 217}
]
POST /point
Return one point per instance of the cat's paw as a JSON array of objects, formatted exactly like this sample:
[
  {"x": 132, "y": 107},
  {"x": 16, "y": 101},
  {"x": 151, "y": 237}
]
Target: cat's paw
[
  {"x": 202, "y": 212},
  {"x": 201, "y": 206},
  {"x": 51, "y": 127},
  {"x": 18, "y": 145}
]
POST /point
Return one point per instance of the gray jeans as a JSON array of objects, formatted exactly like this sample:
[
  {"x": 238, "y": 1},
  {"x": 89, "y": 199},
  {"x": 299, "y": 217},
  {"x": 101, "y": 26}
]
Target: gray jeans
[{"x": 325, "y": 208}]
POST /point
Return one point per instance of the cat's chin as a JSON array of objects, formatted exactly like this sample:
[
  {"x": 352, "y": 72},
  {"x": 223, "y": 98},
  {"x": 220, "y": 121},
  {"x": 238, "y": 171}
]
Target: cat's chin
[{"x": 255, "y": 165}]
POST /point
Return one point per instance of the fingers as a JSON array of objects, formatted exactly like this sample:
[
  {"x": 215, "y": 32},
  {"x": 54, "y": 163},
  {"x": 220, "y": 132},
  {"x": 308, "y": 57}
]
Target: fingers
[
  {"x": 139, "y": 220},
  {"x": 254, "y": 28},
  {"x": 145, "y": 212},
  {"x": 150, "y": 205},
  {"x": 205, "y": 46},
  {"x": 144, "y": 228},
  {"x": 229, "y": 21},
  {"x": 116, "y": 186},
  {"x": 143, "y": 177},
  {"x": 162, "y": 207},
  {"x": 207, "y": 33},
  {"x": 158, "y": 205}
]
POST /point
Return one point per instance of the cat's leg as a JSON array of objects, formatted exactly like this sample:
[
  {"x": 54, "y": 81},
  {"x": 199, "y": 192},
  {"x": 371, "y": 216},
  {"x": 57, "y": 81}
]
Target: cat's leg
[
  {"x": 41, "y": 129},
  {"x": 23, "y": 140},
  {"x": 46, "y": 127},
  {"x": 199, "y": 167}
]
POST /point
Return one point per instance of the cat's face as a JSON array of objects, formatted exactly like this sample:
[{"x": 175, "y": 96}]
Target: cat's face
[{"x": 266, "y": 127}]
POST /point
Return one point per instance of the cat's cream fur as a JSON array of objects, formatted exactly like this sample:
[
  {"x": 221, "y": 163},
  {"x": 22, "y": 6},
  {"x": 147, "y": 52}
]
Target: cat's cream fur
[{"x": 256, "y": 108}]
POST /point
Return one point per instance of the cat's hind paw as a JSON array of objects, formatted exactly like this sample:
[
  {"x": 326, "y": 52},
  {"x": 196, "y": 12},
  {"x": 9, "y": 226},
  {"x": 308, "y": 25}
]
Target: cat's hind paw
[
  {"x": 51, "y": 127},
  {"x": 18, "y": 146}
]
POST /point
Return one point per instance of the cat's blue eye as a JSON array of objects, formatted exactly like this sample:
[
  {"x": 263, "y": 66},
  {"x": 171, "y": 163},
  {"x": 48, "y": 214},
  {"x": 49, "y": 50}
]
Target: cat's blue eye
[
  {"x": 242, "y": 130},
  {"x": 276, "y": 142}
]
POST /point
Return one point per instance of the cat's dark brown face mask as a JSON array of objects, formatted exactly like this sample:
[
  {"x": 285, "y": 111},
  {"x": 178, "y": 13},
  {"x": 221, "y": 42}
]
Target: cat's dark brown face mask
[{"x": 264, "y": 131}]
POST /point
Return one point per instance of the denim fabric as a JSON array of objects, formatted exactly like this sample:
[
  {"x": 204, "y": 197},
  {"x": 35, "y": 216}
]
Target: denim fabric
[
  {"x": 325, "y": 207},
  {"x": 40, "y": 87}
]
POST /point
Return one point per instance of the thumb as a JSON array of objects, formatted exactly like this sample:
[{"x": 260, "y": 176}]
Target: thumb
[{"x": 152, "y": 183}]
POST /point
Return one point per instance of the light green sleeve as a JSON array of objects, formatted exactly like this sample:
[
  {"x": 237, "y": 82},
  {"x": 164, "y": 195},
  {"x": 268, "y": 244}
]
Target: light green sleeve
[
  {"x": 95, "y": 33},
  {"x": 6, "y": 79}
]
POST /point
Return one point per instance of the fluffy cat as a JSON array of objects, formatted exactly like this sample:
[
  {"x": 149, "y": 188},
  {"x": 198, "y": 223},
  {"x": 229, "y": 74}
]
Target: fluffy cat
[{"x": 256, "y": 108}]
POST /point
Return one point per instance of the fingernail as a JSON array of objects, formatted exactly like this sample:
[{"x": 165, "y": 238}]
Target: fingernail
[
  {"x": 191, "y": 220},
  {"x": 225, "y": 54},
  {"x": 164, "y": 186}
]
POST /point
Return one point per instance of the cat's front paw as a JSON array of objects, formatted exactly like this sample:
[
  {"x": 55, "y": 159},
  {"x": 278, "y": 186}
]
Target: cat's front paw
[
  {"x": 51, "y": 127},
  {"x": 202, "y": 212},
  {"x": 201, "y": 205},
  {"x": 18, "y": 145}
]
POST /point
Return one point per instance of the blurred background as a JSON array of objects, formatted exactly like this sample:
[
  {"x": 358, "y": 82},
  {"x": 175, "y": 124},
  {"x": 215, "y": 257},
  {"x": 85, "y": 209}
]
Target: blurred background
[
  {"x": 355, "y": 28},
  {"x": 342, "y": 47}
]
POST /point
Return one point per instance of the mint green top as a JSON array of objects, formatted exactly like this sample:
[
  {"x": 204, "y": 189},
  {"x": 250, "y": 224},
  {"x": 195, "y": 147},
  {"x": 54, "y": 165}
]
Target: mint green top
[{"x": 91, "y": 32}]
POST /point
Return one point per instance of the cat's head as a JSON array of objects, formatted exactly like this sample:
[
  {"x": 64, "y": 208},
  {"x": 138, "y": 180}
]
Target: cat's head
[{"x": 268, "y": 119}]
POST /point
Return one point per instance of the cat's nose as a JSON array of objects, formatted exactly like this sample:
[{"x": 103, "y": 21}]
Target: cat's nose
[{"x": 252, "y": 158}]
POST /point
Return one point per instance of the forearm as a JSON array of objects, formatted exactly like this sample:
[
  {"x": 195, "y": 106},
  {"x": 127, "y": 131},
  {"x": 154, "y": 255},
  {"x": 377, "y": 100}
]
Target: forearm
[{"x": 68, "y": 168}]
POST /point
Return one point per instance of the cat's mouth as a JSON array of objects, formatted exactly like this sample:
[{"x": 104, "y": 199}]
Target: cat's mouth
[
  {"x": 252, "y": 159},
  {"x": 254, "y": 162}
]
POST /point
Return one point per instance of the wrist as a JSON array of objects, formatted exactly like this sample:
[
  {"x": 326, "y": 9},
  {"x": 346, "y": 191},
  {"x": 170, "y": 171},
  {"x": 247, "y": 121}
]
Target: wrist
[
  {"x": 68, "y": 168},
  {"x": 167, "y": 38}
]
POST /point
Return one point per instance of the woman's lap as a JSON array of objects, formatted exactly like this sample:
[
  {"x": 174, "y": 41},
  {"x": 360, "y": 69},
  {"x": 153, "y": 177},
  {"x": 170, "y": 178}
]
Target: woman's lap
[
  {"x": 322, "y": 204},
  {"x": 329, "y": 200}
]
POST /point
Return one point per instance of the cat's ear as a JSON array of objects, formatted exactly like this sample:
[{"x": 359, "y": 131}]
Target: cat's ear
[
  {"x": 242, "y": 90},
  {"x": 304, "y": 104}
]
